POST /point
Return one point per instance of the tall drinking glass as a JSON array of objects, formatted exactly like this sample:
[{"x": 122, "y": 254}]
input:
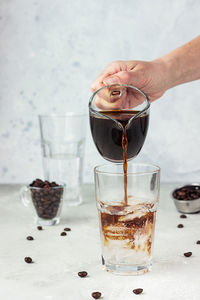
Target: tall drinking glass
[
  {"x": 127, "y": 229},
  {"x": 62, "y": 139}
]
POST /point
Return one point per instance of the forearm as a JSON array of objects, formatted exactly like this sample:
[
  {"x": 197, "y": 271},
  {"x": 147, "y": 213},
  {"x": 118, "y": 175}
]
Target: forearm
[{"x": 182, "y": 64}]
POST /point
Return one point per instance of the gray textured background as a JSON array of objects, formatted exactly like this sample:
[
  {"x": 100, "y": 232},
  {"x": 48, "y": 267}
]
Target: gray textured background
[{"x": 50, "y": 52}]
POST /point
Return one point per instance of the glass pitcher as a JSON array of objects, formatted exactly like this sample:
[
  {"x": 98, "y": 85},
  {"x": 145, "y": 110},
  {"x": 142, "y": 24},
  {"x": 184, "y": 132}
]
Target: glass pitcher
[{"x": 119, "y": 117}]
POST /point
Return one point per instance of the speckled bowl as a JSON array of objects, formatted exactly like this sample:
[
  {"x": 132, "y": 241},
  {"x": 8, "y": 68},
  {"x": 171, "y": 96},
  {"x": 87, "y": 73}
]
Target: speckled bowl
[{"x": 187, "y": 206}]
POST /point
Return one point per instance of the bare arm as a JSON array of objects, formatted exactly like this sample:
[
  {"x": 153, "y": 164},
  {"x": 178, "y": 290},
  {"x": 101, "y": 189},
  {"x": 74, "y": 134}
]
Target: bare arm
[
  {"x": 183, "y": 63},
  {"x": 155, "y": 77}
]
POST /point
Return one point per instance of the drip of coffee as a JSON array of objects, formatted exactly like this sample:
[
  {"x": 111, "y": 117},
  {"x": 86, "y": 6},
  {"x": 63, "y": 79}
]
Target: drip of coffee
[
  {"x": 119, "y": 141},
  {"x": 124, "y": 148}
]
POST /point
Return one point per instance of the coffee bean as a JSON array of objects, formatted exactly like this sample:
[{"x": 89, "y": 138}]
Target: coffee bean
[
  {"x": 46, "y": 186},
  {"x": 180, "y": 226},
  {"x": 63, "y": 233},
  {"x": 82, "y": 274},
  {"x": 96, "y": 295},
  {"x": 28, "y": 260},
  {"x": 183, "y": 216},
  {"x": 198, "y": 242},
  {"x": 137, "y": 291},
  {"x": 39, "y": 228},
  {"x": 187, "y": 254},
  {"x": 67, "y": 229},
  {"x": 30, "y": 238}
]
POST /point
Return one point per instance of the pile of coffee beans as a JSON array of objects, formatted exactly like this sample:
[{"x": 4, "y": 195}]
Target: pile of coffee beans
[
  {"x": 46, "y": 197},
  {"x": 187, "y": 192}
]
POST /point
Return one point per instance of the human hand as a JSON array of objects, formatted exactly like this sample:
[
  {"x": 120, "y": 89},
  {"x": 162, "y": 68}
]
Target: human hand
[{"x": 150, "y": 77}]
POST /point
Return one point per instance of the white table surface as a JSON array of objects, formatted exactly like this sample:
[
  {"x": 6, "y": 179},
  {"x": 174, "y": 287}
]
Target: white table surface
[{"x": 57, "y": 259}]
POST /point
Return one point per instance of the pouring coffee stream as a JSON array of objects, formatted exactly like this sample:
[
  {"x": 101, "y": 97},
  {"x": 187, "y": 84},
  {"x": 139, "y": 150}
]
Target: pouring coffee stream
[
  {"x": 124, "y": 148},
  {"x": 119, "y": 133}
]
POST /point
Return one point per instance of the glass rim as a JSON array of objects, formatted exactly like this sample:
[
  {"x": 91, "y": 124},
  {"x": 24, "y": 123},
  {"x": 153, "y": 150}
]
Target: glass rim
[
  {"x": 120, "y": 84},
  {"x": 98, "y": 171},
  {"x": 51, "y": 187},
  {"x": 67, "y": 114}
]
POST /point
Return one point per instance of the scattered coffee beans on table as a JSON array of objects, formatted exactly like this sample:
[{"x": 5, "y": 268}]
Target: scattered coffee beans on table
[
  {"x": 28, "y": 260},
  {"x": 96, "y": 295},
  {"x": 63, "y": 233},
  {"x": 187, "y": 254},
  {"x": 183, "y": 216},
  {"x": 137, "y": 291},
  {"x": 82, "y": 274},
  {"x": 30, "y": 238},
  {"x": 46, "y": 197},
  {"x": 198, "y": 242},
  {"x": 67, "y": 229},
  {"x": 180, "y": 226},
  {"x": 39, "y": 228}
]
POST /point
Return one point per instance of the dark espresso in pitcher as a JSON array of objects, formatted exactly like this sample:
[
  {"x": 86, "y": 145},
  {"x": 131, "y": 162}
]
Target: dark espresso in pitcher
[
  {"x": 119, "y": 143},
  {"x": 107, "y": 134}
]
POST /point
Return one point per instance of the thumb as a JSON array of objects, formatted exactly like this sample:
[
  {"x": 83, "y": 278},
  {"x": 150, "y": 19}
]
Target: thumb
[{"x": 123, "y": 77}]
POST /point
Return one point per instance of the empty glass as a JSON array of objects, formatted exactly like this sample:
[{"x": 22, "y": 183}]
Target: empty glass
[{"x": 63, "y": 139}]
